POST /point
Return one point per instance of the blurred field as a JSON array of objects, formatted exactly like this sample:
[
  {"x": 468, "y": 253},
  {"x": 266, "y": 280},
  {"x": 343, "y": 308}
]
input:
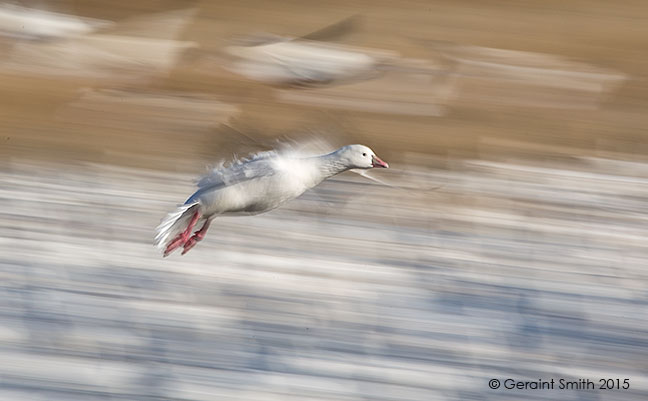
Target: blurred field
[
  {"x": 528, "y": 261},
  {"x": 604, "y": 35}
]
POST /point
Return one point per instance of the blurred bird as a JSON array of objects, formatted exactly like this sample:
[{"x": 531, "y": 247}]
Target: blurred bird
[
  {"x": 312, "y": 60},
  {"x": 32, "y": 24},
  {"x": 130, "y": 51},
  {"x": 253, "y": 186}
]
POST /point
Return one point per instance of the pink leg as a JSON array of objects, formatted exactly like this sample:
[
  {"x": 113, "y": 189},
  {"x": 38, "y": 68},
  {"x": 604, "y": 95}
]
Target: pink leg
[
  {"x": 198, "y": 236},
  {"x": 183, "y": 237}
]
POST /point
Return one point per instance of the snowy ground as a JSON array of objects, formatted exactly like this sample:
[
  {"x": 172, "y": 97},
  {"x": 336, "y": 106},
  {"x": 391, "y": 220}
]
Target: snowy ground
[{"x": 356, "y": 291}]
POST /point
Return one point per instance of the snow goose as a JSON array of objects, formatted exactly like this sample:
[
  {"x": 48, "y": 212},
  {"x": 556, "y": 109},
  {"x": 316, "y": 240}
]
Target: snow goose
[{"x": 252, "y": 186}]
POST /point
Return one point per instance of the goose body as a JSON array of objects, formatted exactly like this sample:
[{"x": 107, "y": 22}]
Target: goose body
[{"x": 254, "y": 186}]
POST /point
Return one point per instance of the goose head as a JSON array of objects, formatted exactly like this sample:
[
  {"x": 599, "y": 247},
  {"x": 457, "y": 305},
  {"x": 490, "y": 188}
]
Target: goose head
[{"x": 360, "y": 156}]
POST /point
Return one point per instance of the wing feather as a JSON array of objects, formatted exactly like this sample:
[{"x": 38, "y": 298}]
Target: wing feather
[{"x": 256, "y": 166}]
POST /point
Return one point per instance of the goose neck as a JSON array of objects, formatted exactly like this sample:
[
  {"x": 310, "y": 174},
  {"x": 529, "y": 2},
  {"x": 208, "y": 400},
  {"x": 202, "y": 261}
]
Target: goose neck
[{"x": 331, "y": 164}]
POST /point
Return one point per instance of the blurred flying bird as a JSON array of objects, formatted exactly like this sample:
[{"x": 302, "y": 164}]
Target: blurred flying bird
[
  {"x": 300, "y": 63},
  {"x": 523, "y": 78},
  {"x": 310, "y": 60},
  {"x": 31, "y": 24},
  {"x": 131, "y": 50},
  {"x": 253, "y": 186}
]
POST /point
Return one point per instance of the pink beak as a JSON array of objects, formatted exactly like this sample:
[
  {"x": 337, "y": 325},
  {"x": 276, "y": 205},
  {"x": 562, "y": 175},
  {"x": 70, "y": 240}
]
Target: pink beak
[{"x": 376, "y": 162}]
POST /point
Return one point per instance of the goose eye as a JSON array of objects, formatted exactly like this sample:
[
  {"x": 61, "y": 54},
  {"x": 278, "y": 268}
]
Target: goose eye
[{"x": 364, "y": 154}]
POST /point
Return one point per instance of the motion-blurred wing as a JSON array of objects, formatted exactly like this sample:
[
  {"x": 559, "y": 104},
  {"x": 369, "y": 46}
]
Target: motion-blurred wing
[
  {"x": 334, "y": 31},
  {"x": 260, "y": 165}
]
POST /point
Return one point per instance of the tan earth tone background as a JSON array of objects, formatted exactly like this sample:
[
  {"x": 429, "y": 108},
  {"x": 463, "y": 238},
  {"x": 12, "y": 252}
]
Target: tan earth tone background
[{"x": 603, "y": 34}]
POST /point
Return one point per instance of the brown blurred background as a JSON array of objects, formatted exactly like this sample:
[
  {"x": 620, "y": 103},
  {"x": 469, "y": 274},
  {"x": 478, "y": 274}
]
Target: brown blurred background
[{"x": 38, "y": 123}]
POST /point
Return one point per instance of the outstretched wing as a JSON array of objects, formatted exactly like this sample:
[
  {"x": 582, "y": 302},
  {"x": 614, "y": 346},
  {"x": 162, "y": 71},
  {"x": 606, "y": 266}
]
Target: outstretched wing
[
  {"x": 334, "y": 31},
  {"x": 259, "y": 165}
]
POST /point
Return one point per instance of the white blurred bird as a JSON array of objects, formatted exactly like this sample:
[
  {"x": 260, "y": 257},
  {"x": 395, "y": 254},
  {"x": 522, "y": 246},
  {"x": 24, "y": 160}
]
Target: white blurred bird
[
  {"x": 32, "y": 24},
  {"x": 252, "y": 186},
  {"x": 130, "y": 51},
  {"x": 313, "y": 60}
]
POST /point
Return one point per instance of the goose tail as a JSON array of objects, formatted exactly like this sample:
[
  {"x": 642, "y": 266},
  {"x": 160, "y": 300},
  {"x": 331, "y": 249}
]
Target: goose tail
[{"x": 174, "y": 224}]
